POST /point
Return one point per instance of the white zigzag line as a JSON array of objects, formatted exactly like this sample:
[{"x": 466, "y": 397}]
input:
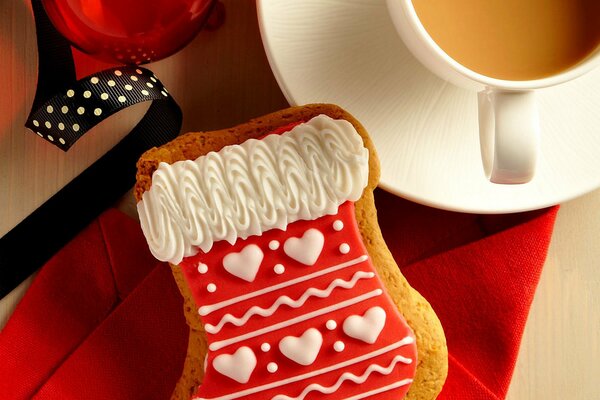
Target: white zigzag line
[
  {"x": 296, "y": 320},
  {"x": 321, "y": 293},
  {"x": 257, "y": 389},
  {"x": 210, "y": 308},
  {"x": 348, "y": 376},
  {"x": 382, "y": 389}
]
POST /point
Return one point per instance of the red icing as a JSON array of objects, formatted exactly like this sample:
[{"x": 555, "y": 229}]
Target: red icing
[
  {"x": 229, "y": 286},
  {"x": 283, "y": 129}
]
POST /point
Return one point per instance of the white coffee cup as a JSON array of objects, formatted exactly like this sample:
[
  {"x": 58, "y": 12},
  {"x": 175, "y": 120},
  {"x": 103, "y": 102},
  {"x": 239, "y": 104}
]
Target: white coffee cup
[{"x": 509, "y": 127}]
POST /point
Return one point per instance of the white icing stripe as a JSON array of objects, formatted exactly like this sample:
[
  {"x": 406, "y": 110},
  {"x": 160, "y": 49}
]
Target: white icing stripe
[
  {"x": 382, "y": 389},
  {"x": 406, "y": 341},
  {"x": 346, "y": 303},
  {"x": 347, "y": 376},
  {"x": 207, "y": 309},
  {"x": 310, "y": 292},
  {"x": 252, "y": 187}
]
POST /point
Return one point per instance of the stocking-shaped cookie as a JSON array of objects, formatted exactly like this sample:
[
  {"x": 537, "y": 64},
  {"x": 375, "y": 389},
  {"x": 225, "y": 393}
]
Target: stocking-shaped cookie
[{"x": 267, "y": 238}]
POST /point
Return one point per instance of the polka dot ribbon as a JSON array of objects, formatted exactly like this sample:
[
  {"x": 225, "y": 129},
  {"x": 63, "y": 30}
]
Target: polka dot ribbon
[
  {"x": 63, "y": 110},
  {"x": 68, "y": 115}
]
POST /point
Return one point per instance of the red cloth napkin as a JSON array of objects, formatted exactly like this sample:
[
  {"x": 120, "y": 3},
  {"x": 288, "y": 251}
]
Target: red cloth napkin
[{"x": 103, "y": 319}]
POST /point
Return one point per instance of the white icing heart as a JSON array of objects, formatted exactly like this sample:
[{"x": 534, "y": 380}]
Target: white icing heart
[
  {"x": 368, "y": 327},
  {"x": 244, "y": 264},
  {"x": 237, "y": 366},
  {"x": 303, "y": 349},
  {"x": 306, "y": 249}
]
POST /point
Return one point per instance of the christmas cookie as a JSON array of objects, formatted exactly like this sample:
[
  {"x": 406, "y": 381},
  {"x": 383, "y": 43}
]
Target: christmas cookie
[{"x": 290, "y": 292}]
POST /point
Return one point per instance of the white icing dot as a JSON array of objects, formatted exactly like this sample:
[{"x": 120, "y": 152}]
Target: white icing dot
[
  {"x": 97, "y": 111},
  {"x": 48, "y": 124},
  {"x": 61, "y": 126},
  {"x": 139, "y": 71},
  {"x": 122, "y": 99},
  {"x": 94, "y": 80},
  {"x": 50, "y": 138},
  {"x": 344, "y": 248},
  {"x": 104, "y": 96},
  {"x": 202, "y": 268},
  {"x": 339, "y": 346},
  {"x": 153, "y": 79},
  {"x": 35, "y": 122},
  {"x": 133, "y": 78},
  {"x": 76, "y": 127},
  {"x": 87, "y": 94},
  {"x": 273, "y": 244},
  {"x": 61, "y": 140},
  {"x": 111, "y": 83},
  {"x": 133, "y": 57},
  {"x": 40, "y": 135},
  {"x": 265, "y": 347},
  {"x": 80, "y": 110},
  {"x": 338, "y": 225},
  {"x": 50, "y": 109},
  {"x": 163, "y": 93},
  {"x": 128, "y": 87},
  {"x": 279, "y": 269},
  {"x": 211, "y": 287},
  {"x": 119, "y": 73},
  {"x": 70, "y": 93},
  {"x": 145, "y": 92},
  {"x": 331, "y": 324},
  {"x": 149, "y": 85},
  {"x": 272, "y": 367},
  {"x": 64, "y": 109}
]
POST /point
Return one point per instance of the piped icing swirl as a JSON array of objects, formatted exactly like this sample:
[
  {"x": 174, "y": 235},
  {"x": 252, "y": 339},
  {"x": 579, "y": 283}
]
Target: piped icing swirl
[{"x": 249, "y": 188}]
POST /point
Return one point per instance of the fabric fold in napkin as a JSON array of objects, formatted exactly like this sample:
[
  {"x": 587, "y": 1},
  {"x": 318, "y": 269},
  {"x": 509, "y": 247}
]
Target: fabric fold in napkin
[{"x": 104, "y": 320}]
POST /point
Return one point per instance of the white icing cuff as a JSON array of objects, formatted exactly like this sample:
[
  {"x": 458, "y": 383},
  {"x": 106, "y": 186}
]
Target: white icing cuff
[{"x": 250, "y": 188}]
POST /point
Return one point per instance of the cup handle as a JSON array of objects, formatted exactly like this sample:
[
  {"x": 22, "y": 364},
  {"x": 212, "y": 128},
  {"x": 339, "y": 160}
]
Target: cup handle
[{"x": 509, "y": 135}]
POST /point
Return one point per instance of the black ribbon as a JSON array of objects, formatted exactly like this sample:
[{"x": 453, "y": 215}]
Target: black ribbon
[{"x": 63, "y": 110}]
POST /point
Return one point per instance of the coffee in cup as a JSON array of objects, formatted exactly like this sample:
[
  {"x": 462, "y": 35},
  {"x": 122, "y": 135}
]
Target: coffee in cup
[{"x": 513, "y": 39}]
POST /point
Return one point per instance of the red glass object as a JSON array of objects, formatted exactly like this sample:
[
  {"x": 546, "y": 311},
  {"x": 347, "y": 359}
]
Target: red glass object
[{"x": 129, "y": 31}]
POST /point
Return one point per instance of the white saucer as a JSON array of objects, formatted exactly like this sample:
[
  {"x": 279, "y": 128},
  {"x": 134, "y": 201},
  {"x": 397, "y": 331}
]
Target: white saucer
[{"x": 347, "y": 52}]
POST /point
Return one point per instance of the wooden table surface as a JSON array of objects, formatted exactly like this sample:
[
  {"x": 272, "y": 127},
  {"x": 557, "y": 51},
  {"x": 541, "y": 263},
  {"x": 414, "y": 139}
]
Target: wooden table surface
[{"x": 223, "y": 78}]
